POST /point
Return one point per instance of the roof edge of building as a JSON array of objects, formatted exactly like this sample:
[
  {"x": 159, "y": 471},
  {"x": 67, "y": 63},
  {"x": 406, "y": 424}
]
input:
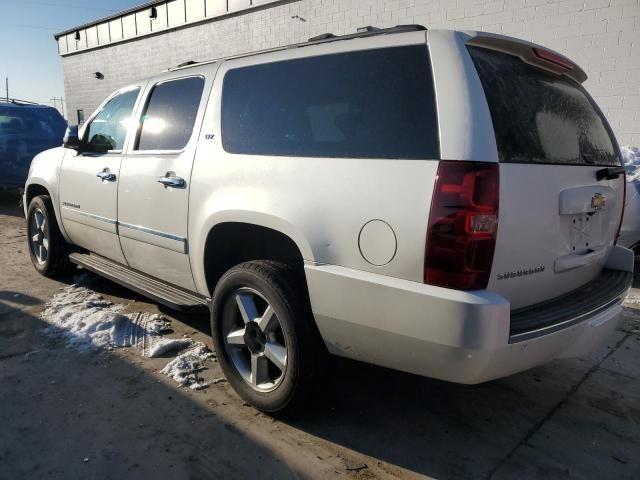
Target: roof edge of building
[{"x": 108, "y": 17}]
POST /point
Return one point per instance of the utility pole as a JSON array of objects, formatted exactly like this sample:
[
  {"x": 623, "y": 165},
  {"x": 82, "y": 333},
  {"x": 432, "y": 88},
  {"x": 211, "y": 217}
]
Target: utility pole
[
  {"x": 55, "y": 101},
  {"x": 6, "y": 84}
]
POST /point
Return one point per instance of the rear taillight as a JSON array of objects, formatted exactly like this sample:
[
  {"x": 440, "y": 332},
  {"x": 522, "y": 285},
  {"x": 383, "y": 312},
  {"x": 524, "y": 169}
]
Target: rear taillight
[
  {"x": 461, "y": 236},
  {"x": 624, "y": 201}
]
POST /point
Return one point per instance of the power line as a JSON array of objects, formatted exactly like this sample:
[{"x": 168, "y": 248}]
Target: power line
[
  {"x": 20, "y": 25},
  {"x": 60, "y": 5}
]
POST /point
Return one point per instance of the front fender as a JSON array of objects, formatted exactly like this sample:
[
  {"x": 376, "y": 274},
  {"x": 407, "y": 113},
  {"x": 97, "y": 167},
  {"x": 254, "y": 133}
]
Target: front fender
[{"x": 45, "y": 172}]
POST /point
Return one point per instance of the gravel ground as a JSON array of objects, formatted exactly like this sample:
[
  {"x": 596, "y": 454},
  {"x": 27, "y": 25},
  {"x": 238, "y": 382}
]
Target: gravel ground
[{"x": 111, "y": 414}]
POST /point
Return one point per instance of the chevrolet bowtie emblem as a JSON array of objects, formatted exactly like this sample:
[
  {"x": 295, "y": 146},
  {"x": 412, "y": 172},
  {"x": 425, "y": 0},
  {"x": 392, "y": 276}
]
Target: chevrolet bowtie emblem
[{"x": 598, "y": 201}]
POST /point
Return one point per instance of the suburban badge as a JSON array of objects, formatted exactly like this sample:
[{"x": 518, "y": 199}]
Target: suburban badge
[{"x": 521, "y": 273}]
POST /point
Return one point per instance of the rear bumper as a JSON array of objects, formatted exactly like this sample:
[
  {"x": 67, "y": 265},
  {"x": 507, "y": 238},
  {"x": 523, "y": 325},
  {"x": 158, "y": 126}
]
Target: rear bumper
[
  {"x": 574, "y": 307},
  {"x": 462, "y": 337},
  {"x": 630, "y": 237}
]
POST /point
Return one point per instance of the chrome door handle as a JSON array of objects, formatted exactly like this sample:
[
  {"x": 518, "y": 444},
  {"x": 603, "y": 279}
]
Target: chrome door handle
[
  {"x": 171, "y": 180},
  {"x": 106, "y": 175}
]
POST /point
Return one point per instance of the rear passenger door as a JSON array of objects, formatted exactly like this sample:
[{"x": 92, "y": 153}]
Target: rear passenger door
[{"x": 153, "y": 194}]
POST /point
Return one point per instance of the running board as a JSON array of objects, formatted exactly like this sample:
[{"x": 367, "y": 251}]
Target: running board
[{"x": 142, "y": 283}]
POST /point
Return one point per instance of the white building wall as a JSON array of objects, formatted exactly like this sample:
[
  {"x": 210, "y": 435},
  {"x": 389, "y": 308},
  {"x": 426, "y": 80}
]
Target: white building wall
[{"x": 602, "y": 36}]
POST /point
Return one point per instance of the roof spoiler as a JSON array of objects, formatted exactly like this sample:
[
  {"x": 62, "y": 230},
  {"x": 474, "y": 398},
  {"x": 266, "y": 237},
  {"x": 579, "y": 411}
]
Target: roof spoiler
[{"x": 530, "y": 53}]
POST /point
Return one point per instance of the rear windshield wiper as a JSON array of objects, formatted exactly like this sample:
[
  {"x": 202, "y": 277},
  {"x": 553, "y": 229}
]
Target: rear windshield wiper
[{"x": 609, "y": 173}]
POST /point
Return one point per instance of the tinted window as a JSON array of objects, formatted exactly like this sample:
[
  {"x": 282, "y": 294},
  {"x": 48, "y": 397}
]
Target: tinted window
[
  {"x": 25, "y": 131},
  {"x": 367, "y": 104},
  {"x": 168, "y": 119},
  {"x": 51, "y": 120},
  {"x": 539, "y": 117},
  {"x": 36, "y": 122},
  {"x": 108, "y": 128}
]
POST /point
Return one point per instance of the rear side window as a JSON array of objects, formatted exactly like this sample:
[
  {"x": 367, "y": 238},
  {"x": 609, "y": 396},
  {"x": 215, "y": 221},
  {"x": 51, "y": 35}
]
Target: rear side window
[
  {"x": 51, "y": 121},
  {"x": 366, "y": 104},
  {"x": 539, "y": 117},
  {"x": 170, "y": 114},
  {"x": 35, "y": 122}
]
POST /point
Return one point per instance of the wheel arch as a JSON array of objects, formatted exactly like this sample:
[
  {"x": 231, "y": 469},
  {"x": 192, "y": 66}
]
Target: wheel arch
[
  {"x": 33, "y": 190},
  {"x": 37, "y": 186},
  {"x": 231, "y": 242}
]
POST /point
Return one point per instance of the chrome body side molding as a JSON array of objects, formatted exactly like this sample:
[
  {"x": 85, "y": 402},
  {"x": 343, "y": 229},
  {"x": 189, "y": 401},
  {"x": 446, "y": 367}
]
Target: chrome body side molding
[{"x": 134, "y": 232}]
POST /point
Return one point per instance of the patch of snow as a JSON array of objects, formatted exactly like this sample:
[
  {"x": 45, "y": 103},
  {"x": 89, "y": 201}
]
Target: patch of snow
[
  {"x": 158, "y": 325},
  {"x": 139, "y": 330},
  {"x": 165, "y": 345},
  {"x": 633, "y": 298},
  {"x": 83, "y": 318},
  {"x": 631, "y": 160},
  {"x": 185, "y": 367},
  {"x": 87, "y": 321}
]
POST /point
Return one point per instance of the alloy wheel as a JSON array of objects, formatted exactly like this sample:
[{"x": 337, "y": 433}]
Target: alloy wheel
[
  {"x": 39, "y": 240},
  {"x": 254, "y": 339}
]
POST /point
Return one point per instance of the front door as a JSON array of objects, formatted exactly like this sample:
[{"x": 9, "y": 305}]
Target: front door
[
  {"x": 89, "y": 179},
  {"x": 155, "y": 179}
]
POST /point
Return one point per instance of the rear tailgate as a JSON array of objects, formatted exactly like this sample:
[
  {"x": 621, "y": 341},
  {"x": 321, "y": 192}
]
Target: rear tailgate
[{"x": 557, "y": 220}]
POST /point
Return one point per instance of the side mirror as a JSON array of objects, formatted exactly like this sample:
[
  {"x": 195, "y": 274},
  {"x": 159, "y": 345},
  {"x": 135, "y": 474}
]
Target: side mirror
[{"x": 71, "y": 139}]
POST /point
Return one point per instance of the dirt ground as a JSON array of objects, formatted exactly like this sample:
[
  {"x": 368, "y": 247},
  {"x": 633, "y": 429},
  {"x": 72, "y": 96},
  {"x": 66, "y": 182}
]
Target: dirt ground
[{"x": 111, "y": 414}]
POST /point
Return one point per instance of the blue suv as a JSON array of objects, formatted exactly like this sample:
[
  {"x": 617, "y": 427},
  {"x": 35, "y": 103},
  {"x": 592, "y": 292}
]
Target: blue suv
[{"x": 25, "y": 130}]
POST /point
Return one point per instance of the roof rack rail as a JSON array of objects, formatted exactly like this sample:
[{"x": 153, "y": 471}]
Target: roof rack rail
[
  {"x": 318, "y": 39},
  {"x": 187, "y": 63},
  {"x": 322, "y": 36},
  {"x": 367, "y": 31},
  {"x": 17, "y": 101}
]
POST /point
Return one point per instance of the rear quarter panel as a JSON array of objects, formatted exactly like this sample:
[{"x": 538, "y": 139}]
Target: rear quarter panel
[
  {"x": 321, "y": 203},
  {"x": 466, "y": 129}
]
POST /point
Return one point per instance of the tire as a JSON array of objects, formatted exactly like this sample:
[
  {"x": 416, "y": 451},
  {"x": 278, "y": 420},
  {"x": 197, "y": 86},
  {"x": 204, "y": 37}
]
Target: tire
[
  {"x": 47, "y": 248},
  {"x": 246, "y": 351}
]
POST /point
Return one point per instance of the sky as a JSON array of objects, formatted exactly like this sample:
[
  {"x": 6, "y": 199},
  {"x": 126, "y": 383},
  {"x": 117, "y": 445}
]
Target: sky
[{"x": 28, "y": 51}]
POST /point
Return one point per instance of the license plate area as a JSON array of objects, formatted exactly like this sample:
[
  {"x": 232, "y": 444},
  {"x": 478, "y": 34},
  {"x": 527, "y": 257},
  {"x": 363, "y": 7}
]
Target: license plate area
[{"x": 585, "y": 231}]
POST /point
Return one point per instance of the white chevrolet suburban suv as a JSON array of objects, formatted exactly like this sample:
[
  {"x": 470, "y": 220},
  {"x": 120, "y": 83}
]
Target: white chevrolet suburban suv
[{"x": 442, "y": 203}]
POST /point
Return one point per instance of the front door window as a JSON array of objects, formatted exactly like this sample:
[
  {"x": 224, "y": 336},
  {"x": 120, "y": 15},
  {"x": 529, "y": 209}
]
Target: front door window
[{"x": 108, "y": 129}]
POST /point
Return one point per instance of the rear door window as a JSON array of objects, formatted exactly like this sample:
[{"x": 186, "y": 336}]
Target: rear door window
[
  {"x": 540, "y": 117},
  {"x": 170, "y": 114},
  {"x": 366, "y": 104}
]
